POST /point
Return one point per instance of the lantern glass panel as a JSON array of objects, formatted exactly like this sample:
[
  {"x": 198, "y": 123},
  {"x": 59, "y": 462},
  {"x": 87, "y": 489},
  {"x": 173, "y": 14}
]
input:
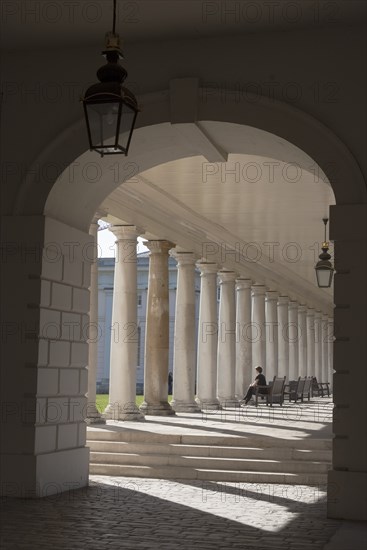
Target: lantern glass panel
[
  {"x": 126, "y": 126},
  {"x": 324, "y": 277},
  {"x": 103, "y": 124}
]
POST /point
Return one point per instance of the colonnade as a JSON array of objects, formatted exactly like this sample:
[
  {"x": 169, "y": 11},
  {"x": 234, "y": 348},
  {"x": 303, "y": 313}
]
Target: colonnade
[{"x": 253, "y": 326}]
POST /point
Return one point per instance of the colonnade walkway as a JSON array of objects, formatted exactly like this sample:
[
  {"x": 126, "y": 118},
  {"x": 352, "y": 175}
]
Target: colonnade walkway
[
  {"x": 289, "y": 444},
  {"x": 133, "y": 512}
]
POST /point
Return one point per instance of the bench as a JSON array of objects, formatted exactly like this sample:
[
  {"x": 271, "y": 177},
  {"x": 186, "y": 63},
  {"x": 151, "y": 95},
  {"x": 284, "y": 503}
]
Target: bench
[
  {"x": 294, "y": 389},
  {"x": 320, "y": 389},
  {"x": 298, "y": 389},
  {"x": 274, "y": 392},
  {"x": 307, "y": 389}
]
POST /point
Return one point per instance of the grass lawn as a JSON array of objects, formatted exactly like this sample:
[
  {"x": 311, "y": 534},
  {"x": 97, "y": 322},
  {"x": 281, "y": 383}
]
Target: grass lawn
[{"x": 102, "y": 400}]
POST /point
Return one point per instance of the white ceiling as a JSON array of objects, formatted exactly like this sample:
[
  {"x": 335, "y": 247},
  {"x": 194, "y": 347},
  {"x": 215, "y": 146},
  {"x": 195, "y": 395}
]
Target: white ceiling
[
  {"x": 60, "y": 23},
  {"x": 268, "y": 193}
]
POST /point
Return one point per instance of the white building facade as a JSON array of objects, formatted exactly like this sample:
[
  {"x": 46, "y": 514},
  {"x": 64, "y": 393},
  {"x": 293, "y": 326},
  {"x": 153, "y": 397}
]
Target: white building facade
[{"x": 106, "y": 329}]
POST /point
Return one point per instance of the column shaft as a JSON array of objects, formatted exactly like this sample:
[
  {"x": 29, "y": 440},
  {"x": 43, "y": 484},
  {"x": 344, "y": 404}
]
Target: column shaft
[
  {"x": 318, "y": 346},
  {"x": 124, "y": 338},
  {"x": 302, "y": 342},
  {"x": 184, "y": 360},
  {"x": 93, "y": 415},
  {"x": 325, "y": 349},
  {"x": 207, "y": 338},
  {"x": 271, "y": 322},
  {"x": 331, "y": 351},
  {"x": 227, "y": 340},
  {"x": 310, "y": 320},
  {"x": 283, "y": 341},
  {"x": 243, "y": 337},
  {"x": 157, "y": 332},
  {"x": 258, "y": 327},
  {"x": 293, "y": 335}
]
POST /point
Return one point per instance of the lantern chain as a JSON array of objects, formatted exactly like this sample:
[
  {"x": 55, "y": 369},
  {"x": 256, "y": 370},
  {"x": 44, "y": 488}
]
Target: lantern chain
[{"x": 114, "y": 16}]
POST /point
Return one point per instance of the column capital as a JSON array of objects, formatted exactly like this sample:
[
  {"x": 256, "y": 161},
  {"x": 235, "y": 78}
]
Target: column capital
[
  {"x": 302, "y": 308},
  {"x": 97, "y": 216},
  {"x": 183, "y": 258},
  {"x": 293, "y": 304},
  {"x": 283, "y": 301},
  {"x": 243, "y": 284},
  {"x": 258, "y": 290},
  {"x": 159, "y": 246},
  {"x": 226, "y": 277},
  {"x": 324, "y": 316},
  {"x": 271, "y": 295},
  {"x": 310, "y": 312},
  {"x": 207, "y": 268},
  {"x": 125, "y": 232},
  {"x": 318, "y": 314}
]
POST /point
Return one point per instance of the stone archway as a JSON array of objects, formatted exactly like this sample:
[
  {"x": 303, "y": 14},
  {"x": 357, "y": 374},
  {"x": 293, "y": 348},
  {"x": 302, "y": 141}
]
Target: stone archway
[{"x": 45, "y": 205}]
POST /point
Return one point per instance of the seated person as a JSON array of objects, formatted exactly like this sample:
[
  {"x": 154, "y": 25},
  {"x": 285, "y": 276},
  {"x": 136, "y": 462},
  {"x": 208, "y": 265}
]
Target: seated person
[{"x": 259, "y": 381}]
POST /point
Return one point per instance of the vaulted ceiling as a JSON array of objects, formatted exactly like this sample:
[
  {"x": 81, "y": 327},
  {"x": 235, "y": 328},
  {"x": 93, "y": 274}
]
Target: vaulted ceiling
[
  {"x": 259, "y": 211},
  {"x": 84, "y": 22}
]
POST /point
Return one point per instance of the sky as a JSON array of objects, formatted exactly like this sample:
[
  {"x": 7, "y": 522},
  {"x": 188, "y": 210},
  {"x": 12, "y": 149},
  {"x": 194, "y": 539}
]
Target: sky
[{"x": 106, "y": 244}]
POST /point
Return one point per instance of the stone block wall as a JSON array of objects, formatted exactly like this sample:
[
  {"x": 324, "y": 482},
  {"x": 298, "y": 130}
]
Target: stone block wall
[{"x": 55, "y": 359}]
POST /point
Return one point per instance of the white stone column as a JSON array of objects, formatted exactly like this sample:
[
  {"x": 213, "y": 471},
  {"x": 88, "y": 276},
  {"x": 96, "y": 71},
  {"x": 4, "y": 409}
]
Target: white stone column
[
  {"x": 157, "y": 332},
  {"x": 318, "y": 346},
  {"x": 283, "y": 342},
  {"x": 271, "y": 330},
  {"x": 331, "y": 351},
  {"x": 293, "y": 335},
  {"x": 207, "y": 338},
  {"x": 93, "y": 415},
  {"x": 243, "y": 337},
  {"x": 324, "y": 348},
  {"x": 258, "y": 327},
  {"x": 184, "y": 357},
  {"x": 310, "y": 321},
  {"x": 302, "y": 342},
  {"x": 226, "y": 372},
  {"x": 124, "y": 336}
]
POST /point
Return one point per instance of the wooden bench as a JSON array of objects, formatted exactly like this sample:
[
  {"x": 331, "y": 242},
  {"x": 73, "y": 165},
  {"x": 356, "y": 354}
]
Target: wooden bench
[
  {"x": 294, "y": 389},
  {"x": 273, "y": 393},
  {"x": 320, "y": 389},
  {"x": 307, "y": 388},
  {"x": 298, "y": 389}
]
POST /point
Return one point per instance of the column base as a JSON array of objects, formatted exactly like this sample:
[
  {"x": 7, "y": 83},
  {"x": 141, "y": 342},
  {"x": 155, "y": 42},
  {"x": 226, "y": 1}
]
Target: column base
[
  {"x": 157, "y": 409},
  {"x": 230, "y": 402},
  {"x": 93, "y": 415},
  {"x": 95, "y": 420},
  {"x": 125, "y": 412},
  {"x": 184, "y": 406},
  {"x": 208, "y": 405}
]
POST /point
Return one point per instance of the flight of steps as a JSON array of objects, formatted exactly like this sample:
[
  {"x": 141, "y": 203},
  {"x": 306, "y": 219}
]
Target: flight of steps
[{"x": 252, "y": 459}]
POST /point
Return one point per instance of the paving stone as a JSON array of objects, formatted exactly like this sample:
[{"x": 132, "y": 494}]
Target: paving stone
[{"x": 150, "y": 514}]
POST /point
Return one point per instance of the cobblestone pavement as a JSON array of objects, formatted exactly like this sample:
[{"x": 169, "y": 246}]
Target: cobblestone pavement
[{"x": 133, "y": 513}]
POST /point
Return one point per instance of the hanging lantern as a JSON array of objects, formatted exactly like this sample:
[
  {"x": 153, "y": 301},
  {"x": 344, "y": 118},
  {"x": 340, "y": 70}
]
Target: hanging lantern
[
  {"x": 324, "y": 268},
  {"x": 110, "y": 109}
]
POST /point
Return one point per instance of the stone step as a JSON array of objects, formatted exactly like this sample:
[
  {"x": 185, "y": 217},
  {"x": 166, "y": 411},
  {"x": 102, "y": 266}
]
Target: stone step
[
  {"x": 272, "y": 453},
  {"x": 174, "y": 472},
  {"x": 142, "y": 436},
  {"x": 229, "y": 464}
]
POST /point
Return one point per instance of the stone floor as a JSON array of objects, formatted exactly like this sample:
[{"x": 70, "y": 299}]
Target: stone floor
[
  {"x": 150, "y": 514},
  {"x": 136, "y": 513}
]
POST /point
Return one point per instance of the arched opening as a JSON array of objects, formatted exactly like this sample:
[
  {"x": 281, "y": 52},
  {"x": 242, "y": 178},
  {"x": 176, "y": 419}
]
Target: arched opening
[{"x": 71, "y": 204}]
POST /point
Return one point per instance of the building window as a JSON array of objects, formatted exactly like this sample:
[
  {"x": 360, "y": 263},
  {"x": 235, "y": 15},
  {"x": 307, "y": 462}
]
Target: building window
[
  {"x": 140, "y": 300},
  {"x": 139, "y": 346},
  {"x": 218, "y": 293}
]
